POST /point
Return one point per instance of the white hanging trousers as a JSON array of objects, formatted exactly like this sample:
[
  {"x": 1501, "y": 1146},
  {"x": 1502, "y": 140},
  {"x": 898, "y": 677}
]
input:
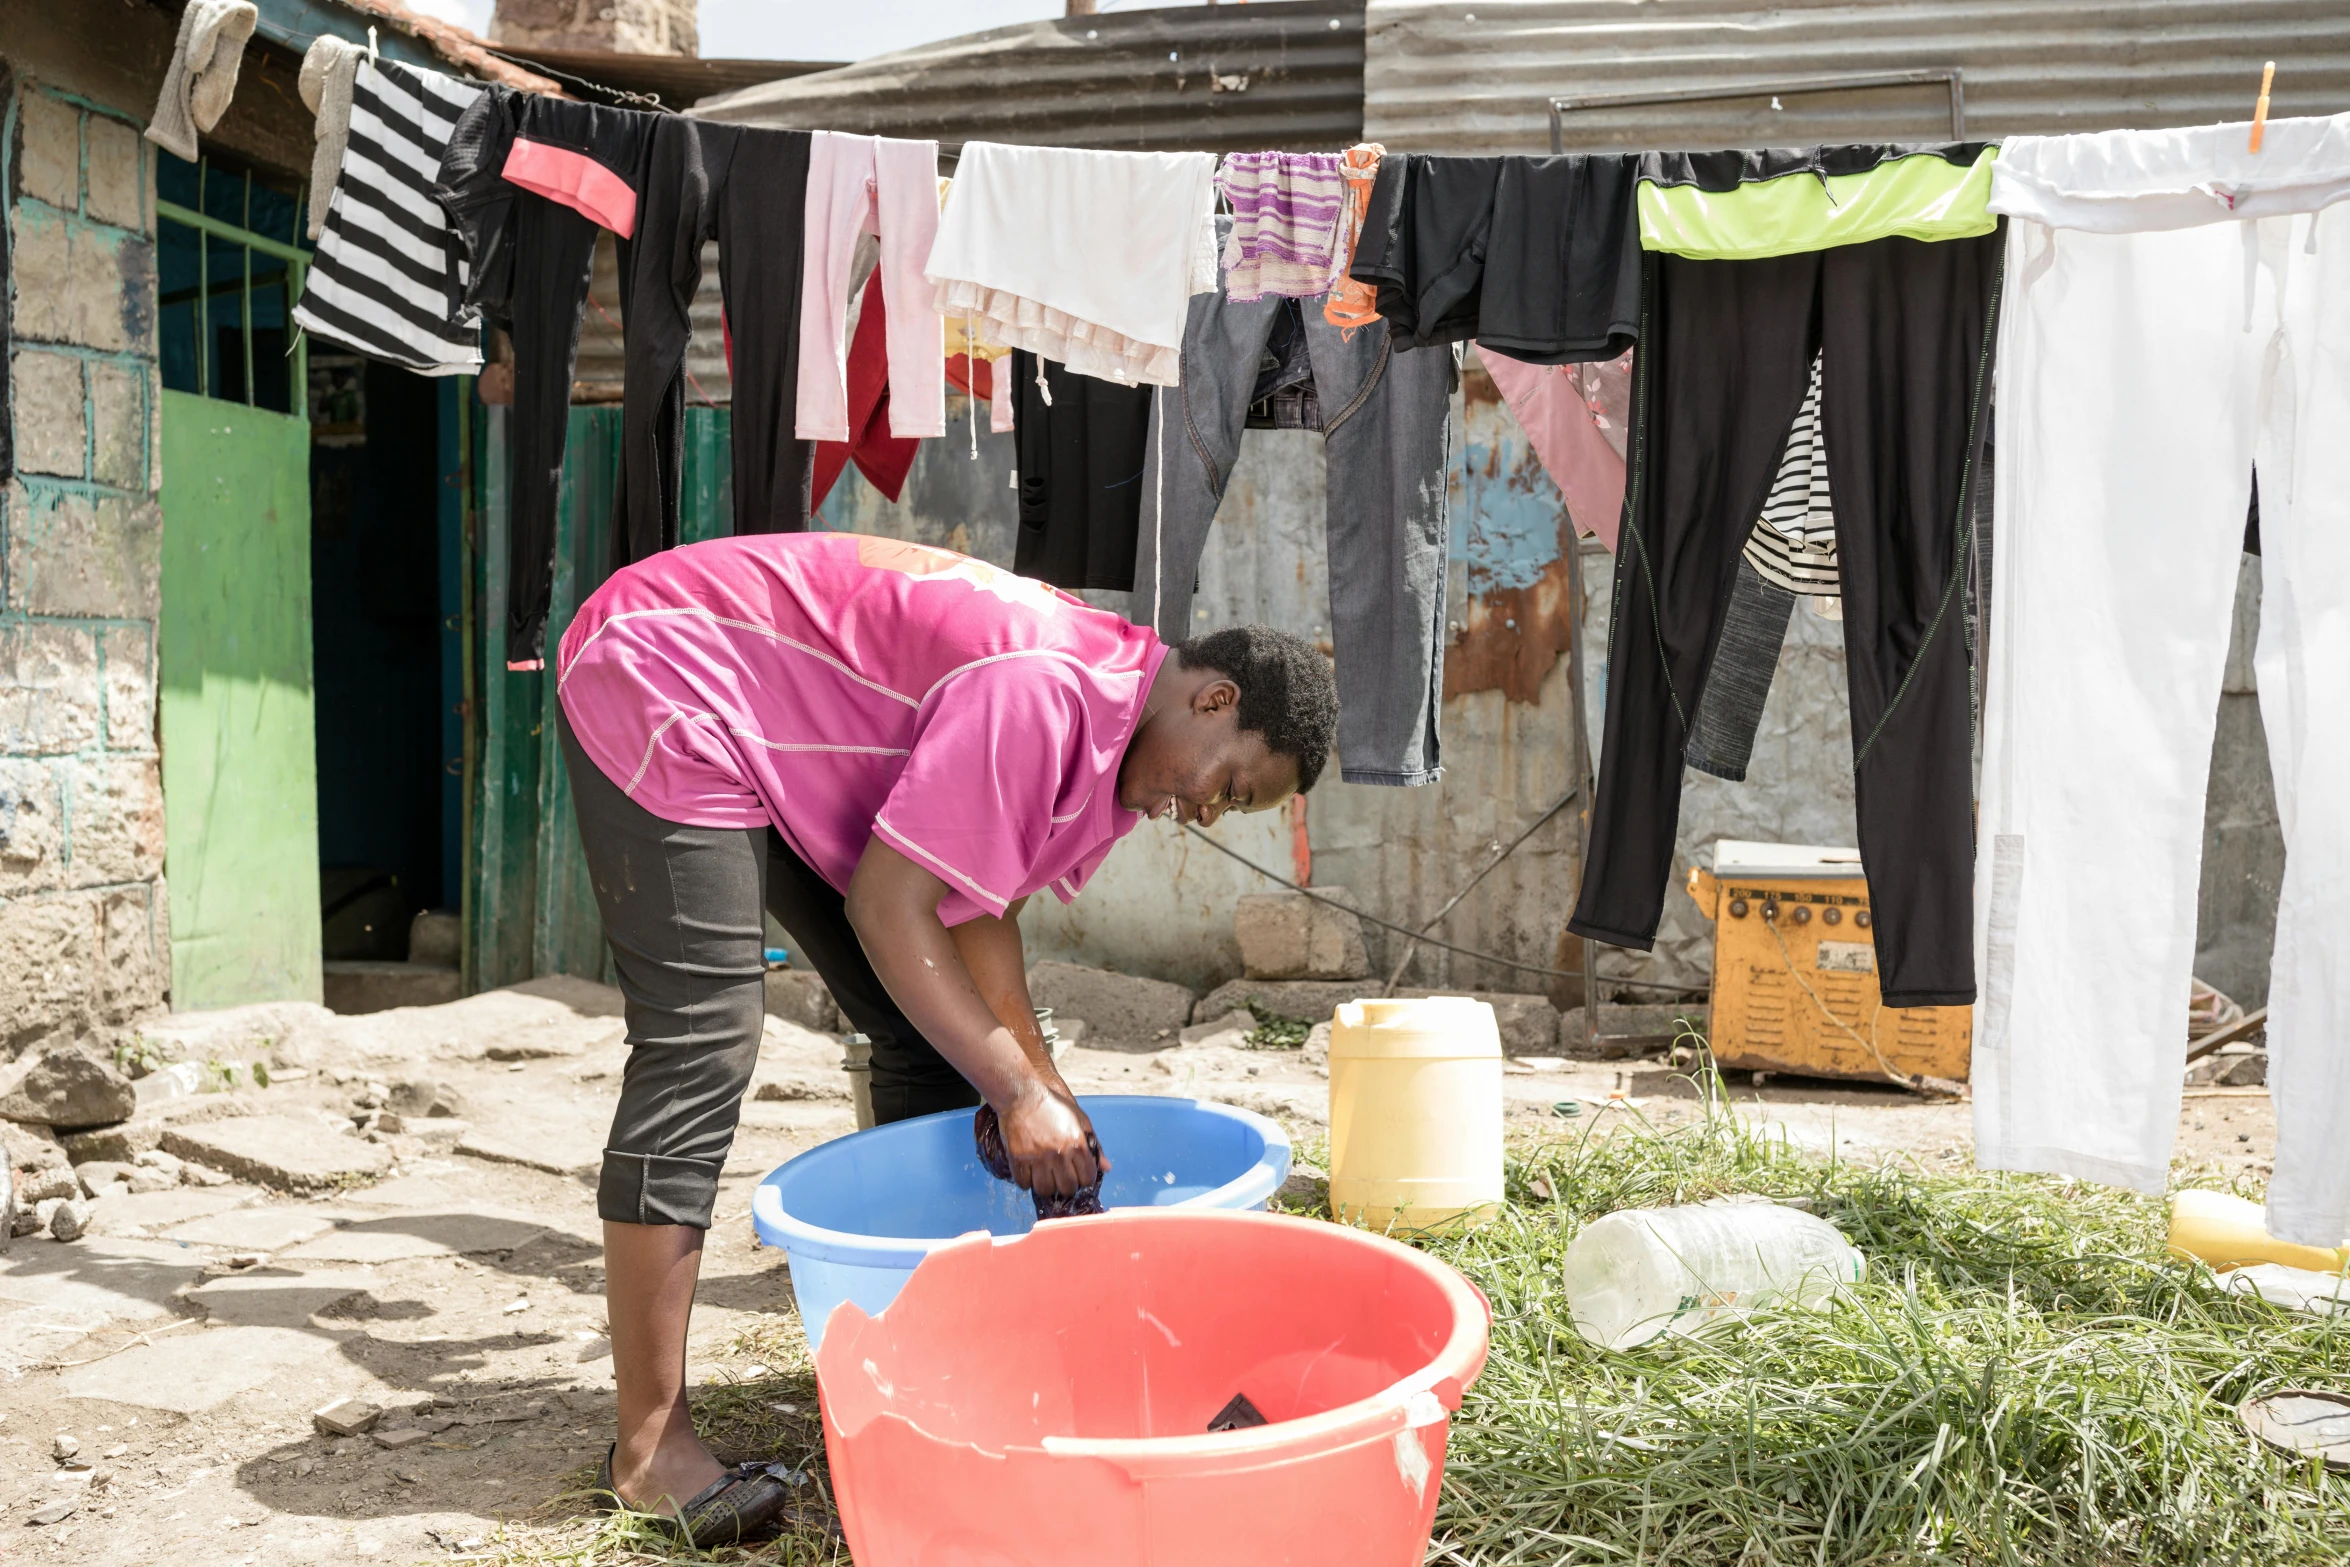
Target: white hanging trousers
[{"x": 2177, "y": 313}]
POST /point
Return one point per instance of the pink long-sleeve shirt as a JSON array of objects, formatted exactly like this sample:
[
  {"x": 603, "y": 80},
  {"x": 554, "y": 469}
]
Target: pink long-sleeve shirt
[{"x": 844, "y": 688}]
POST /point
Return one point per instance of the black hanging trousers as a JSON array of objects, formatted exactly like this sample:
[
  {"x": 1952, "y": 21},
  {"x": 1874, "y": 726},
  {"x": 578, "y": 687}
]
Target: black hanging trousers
[
  {"x": 1905, "y": 330},
  {"x": 746, "y": 188}
]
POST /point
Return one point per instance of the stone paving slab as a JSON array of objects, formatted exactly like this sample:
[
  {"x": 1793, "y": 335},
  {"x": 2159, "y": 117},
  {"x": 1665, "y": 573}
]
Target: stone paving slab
[
  {"x": 196, "y": 1368},
  {"x": 254, "y": 1229},
  {"x": 286, "y": 1152},
  {"x": 396, "y": 1237},
  {"x": 277, "y": 1297},
  {"x": 145, "y": 1213}
]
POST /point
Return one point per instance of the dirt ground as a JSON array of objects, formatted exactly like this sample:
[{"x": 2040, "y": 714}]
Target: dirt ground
[{"x": 185, "y": 1343}]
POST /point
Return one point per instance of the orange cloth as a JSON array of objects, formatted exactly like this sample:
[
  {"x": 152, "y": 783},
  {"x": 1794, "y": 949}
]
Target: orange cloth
[{"x": 1353, "y": 304}]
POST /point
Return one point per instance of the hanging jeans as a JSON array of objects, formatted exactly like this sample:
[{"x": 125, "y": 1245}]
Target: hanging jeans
[
  {"x": 889, "y": 188},
  {"x": 2178, "y": 311},
  {"x": 1387, "y": 439},
  {"x": 746, "y": 188},
  {"x": 1904, "y": 330}
]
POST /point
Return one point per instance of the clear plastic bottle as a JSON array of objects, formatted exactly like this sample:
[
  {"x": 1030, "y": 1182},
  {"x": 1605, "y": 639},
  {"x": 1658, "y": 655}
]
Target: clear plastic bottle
[{"x": 1641, "y": 1272}]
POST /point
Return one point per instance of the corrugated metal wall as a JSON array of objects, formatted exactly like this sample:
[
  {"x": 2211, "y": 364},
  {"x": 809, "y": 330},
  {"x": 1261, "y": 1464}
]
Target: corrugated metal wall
[
  {"x": 597, "y": 377},
  {"x": 1477, "y": 75},
  {"x": 1215, "y": 78}
]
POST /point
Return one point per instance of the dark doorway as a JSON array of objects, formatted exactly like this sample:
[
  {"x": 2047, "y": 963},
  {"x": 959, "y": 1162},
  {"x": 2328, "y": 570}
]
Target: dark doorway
[{"x": 375, "y": 580}]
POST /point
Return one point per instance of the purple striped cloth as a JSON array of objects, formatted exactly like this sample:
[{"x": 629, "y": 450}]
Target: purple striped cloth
[{"x": 1288, "y": 210}]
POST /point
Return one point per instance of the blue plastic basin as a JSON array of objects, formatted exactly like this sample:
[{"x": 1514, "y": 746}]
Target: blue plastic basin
[{"x": 858, "y": 1214}]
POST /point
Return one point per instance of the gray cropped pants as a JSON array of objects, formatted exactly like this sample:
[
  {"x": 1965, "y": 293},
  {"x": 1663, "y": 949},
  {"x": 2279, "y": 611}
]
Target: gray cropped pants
[{"x": 681, "y": 909}]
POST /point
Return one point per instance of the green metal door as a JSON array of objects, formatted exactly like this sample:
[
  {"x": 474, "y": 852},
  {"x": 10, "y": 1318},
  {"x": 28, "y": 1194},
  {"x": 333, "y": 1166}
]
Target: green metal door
[
  {"x": 533, "y": 910},
  {"x": 240, "y": 778}
]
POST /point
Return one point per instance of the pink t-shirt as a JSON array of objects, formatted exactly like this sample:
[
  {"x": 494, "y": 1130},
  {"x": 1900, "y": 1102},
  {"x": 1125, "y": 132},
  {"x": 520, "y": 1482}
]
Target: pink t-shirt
[{"x": 840, "y": 686}]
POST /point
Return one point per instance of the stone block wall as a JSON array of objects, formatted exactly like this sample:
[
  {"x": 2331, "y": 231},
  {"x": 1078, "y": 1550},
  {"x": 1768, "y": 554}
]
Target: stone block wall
[{"x": 84, "y": 948}]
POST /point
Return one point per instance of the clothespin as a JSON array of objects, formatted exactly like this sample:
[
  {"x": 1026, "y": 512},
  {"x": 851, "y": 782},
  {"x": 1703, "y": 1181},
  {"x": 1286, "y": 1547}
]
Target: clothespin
[{"x": 2268, "y": 74}]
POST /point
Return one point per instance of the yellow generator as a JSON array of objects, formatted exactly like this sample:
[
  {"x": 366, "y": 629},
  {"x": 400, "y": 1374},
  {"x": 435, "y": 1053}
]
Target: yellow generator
[{"x": 1795, "y": 973}]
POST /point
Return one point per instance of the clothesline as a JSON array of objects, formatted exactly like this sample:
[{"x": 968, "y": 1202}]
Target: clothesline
[{"x": 1759, "y": 376}]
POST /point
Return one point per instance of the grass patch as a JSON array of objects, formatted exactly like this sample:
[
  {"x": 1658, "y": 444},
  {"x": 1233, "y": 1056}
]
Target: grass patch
[
  {"x": 766, "y": 1410},
  {"x": 2022, "y": 1379},
  {"x": 1273, "y": 1031}
]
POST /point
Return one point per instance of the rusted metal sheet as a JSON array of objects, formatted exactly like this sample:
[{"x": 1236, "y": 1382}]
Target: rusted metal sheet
[
  {"x": 1214, "y": 78},
  {"x": 1477, "y": 75}
]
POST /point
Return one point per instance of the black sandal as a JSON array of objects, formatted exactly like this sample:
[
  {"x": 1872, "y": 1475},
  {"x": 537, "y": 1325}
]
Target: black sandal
[{"x": 746, "y": 1503}]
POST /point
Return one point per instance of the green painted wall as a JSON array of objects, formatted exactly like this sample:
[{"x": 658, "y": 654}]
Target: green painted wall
[{"x": 240, "y": 780}]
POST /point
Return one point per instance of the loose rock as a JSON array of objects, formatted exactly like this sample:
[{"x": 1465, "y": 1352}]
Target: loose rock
[
  {"x": 420, "y": 1099},
  {"x": 406, "y": 1436},
  {"x": 56, "y": 1512},
  {"x": 1120, "y": 1009},
  {"x": 798, "y": 996},
  {"x": 95, "y": 1175},
  {"x": 346, "y": 1417},
  {"x": 70, "y": 1220},
  {"x": 69, "y": 1089},
  {"x": 64, "y": 1446}
]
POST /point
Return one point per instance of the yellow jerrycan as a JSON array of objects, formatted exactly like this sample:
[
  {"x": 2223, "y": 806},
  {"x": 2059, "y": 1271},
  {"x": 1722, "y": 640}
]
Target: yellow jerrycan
[{"x": 1415, "y": 1114}]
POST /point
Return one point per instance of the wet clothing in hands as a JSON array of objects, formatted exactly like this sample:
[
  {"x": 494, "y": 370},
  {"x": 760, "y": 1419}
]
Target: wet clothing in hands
[
  {"x": 1904, "y": 333},
  {"x": 988, "y": 1133},
  {"x": 1537, "y": 258}
]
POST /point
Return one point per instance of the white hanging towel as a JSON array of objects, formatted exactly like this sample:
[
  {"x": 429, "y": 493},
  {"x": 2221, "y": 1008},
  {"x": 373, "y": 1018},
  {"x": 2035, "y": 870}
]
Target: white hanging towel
[
  {"x": 202, "y": 77},
  {"x": 2177, "y": 313},
  {"x": 1088, "y": 258},
  {"x": 387, "y": 279}
]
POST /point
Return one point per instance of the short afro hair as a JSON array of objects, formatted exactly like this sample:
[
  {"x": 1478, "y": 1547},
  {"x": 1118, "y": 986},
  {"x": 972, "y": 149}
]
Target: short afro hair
[{"x": 1287, "y": 693}]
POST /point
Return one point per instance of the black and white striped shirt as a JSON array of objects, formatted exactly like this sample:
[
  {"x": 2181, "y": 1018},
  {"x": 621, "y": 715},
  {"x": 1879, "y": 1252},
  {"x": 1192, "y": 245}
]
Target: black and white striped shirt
[
  {"x": 387, "y": 280},
  {"x": 1794, "y": 540}
]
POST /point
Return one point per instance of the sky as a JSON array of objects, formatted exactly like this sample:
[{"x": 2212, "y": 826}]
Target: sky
[{"x": 821, "y": 29}]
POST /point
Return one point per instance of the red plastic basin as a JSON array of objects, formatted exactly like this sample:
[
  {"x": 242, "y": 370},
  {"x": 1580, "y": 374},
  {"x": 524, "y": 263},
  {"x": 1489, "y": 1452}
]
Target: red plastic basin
[{"x": 1043, "y": 1401}]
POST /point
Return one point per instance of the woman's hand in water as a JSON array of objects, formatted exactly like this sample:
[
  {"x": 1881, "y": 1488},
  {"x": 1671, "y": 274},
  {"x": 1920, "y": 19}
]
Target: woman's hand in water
[{"x": 1049, "y": 1141}]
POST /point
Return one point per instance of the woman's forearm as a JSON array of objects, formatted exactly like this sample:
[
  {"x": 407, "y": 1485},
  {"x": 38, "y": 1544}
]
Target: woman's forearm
[
  {"x": 983, "y": 1026},
  {"x": 992, "y": 954}
]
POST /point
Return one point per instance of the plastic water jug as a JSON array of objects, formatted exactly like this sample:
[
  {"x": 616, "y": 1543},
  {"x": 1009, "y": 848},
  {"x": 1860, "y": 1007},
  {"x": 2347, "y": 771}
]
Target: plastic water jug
[
  {"x": 1640, "y": 1272},
  {"x": 2229, "y": 1232},
  {"x": 1415, "y": 1113}
]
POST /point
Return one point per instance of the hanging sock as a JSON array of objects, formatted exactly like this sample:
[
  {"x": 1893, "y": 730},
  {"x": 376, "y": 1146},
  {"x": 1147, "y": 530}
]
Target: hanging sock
[
  {"x": 202, "y": 76},
  {"x": 325, "y": 86}
]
